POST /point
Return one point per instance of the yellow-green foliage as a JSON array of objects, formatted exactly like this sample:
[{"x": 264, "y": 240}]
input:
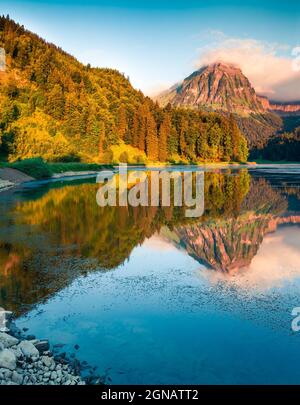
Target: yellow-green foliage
[
  {"x": 53, "y": 106},
  {"x": 129, "y": 153},
  {"x": 36, "y": 136}
]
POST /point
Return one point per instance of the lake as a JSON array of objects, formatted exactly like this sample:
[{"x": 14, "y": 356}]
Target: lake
[{"x": 152, "y": 297}]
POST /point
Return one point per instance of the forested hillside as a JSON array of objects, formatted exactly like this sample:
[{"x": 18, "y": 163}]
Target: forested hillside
[
  {"x": 222, "y": 87},
  {"x": 53, "y": 106},
  {"x": 284, "y": 147}
]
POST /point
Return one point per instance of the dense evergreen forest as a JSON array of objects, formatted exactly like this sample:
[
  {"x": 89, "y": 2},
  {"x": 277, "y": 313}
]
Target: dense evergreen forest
[
  {"x": 54, "y": 107},
  {"x": 284, "y": 147}
]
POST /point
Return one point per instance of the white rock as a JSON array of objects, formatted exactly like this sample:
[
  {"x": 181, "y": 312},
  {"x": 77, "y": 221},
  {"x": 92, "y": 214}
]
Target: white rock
[
  {"x": 7, "y": 359},
  {"x": 47, "y": 361},
  {"x": 8, "y": 340},
  {"x": 53, "y": 375},
  {"x": 17, "y": 378},
  {"x": 28, "y": 349}
]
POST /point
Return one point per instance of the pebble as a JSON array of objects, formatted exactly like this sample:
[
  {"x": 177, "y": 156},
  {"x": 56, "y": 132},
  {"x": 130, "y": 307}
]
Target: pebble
[
  {"x": 53, "y": 375},
  {"x": 30, "y": 362}
]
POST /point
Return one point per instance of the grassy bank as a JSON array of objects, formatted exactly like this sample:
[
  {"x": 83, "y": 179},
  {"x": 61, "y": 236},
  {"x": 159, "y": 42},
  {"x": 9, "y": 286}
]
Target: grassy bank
[
  {"x": 39, "y": 169},
  {"x": 75, "y": 167}
]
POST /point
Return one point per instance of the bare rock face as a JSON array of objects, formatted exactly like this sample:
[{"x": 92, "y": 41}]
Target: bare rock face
[
  {"x": 280, "y": 107},
  {"x": 218, "y": 86},
  {"x": 223, "y": 87}
]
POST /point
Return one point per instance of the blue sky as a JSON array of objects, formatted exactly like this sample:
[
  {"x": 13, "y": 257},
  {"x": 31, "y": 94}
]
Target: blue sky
[{"x": 157, "y": 43}]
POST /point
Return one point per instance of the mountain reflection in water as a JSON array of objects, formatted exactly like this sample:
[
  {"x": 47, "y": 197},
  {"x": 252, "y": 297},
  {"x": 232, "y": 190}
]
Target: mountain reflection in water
[
  {"x": 153, "y": 297},
  {"x": 52, "y": 234}
]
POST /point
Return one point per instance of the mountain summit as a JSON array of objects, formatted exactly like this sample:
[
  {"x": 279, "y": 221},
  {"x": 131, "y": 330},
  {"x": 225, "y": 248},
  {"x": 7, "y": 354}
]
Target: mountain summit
[
  {"x": 219, "y": 86},
  {"x": 222, "y": 87}
]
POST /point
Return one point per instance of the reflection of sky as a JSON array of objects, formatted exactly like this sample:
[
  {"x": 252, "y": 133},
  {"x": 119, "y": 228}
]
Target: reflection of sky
[
  {"x": 276, "y": 263},
  {"x": 155, "y": 319}
]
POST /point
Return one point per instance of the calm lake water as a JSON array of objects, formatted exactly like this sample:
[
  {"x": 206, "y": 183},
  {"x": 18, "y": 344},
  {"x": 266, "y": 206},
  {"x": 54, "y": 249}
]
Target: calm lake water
[{"x": 151, "y": 296}]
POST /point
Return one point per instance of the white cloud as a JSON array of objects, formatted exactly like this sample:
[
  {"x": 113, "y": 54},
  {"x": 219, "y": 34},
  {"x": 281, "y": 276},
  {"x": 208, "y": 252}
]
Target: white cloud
[
  {"x": 156, "y": 89},
  {"x": 270, "y": 73},
  {"x": 276, "y": 264}
]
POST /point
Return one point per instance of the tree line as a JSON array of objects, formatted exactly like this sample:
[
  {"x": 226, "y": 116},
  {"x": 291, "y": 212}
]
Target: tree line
[
  {"x": 53, "y": 106},
  {"x": 283, "y": 147}
]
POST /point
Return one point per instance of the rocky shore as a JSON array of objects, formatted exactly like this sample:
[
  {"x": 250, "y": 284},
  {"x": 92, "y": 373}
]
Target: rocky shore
[{"x": 29, "y": 361}]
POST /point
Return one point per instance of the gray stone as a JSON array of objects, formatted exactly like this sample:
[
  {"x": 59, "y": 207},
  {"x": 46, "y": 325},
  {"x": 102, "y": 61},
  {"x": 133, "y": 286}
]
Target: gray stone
[
  {"x": 47, "y": 361},
  {"x": 28, "y": 349},
  {"x": 42, "y": 346},
  {"x": 8, "y": 359},
  {"x": 7, "y": 340},
  {"x": 33, "y": 379},
  {"x": 17, "y": 378},
  {"x": 53, "y": 375},
  {"x": 6, "y": 373}
]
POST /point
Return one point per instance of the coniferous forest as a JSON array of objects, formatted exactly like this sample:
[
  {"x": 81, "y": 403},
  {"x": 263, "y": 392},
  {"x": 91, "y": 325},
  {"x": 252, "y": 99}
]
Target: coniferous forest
[{"x": 54, "y": 107}]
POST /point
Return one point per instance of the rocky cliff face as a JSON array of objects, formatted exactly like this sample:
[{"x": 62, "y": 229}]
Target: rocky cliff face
[
  {"x": 280, "y": 108},
  {"x": 218, "y": 86},
  {"x": 224, "y": 87}
]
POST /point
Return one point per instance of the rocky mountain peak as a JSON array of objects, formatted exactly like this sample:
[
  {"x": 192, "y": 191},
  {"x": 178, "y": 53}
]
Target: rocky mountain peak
[{"x": 219, "y": 86}]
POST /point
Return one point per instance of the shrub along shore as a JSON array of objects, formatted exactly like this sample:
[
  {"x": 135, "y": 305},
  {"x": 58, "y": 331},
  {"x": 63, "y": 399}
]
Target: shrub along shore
[{"x": 39, "y": 169}]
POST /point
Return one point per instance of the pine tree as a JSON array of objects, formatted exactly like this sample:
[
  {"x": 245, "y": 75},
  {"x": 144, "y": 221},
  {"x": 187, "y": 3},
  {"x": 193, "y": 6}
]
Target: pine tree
[
  {"x": 214, "y": 139},
  {"x": 122, "y": 125},
  {"x": 235, "y": 137},
  {"x": 151, "y": 138},
  {"x": 142, "y": 128},
  {"x": 56, "y": 102},
  {"x": 226, "y": 141},
  {"x": 135, "y": 130},
  {"x": 101, "y": 139},
  {"x": 182, "y": 132},
  {"x": 173, "y": 142},
  {"x": 164, "y": 134}
]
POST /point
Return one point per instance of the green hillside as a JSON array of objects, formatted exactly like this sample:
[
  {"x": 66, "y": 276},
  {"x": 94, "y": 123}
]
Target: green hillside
[{"x": 54, "y": 107}]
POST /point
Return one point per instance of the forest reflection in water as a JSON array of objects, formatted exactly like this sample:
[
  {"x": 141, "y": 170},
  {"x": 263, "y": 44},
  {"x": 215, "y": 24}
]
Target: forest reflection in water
[{"x": 51, "y": 234}]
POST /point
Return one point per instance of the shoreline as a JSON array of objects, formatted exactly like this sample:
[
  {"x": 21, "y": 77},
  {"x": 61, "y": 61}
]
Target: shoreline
[
  {"x": 14, "y": 177},
  {"x": 31, "y": 361}
]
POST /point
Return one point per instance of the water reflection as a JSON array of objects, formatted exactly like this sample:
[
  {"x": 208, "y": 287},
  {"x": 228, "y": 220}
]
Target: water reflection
[{"x": 51, "y": 235}]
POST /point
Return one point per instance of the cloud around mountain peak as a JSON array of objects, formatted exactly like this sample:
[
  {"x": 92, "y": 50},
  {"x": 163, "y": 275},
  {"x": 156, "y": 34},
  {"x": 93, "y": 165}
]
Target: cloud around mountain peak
[{"x": 270, "y": 72}]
